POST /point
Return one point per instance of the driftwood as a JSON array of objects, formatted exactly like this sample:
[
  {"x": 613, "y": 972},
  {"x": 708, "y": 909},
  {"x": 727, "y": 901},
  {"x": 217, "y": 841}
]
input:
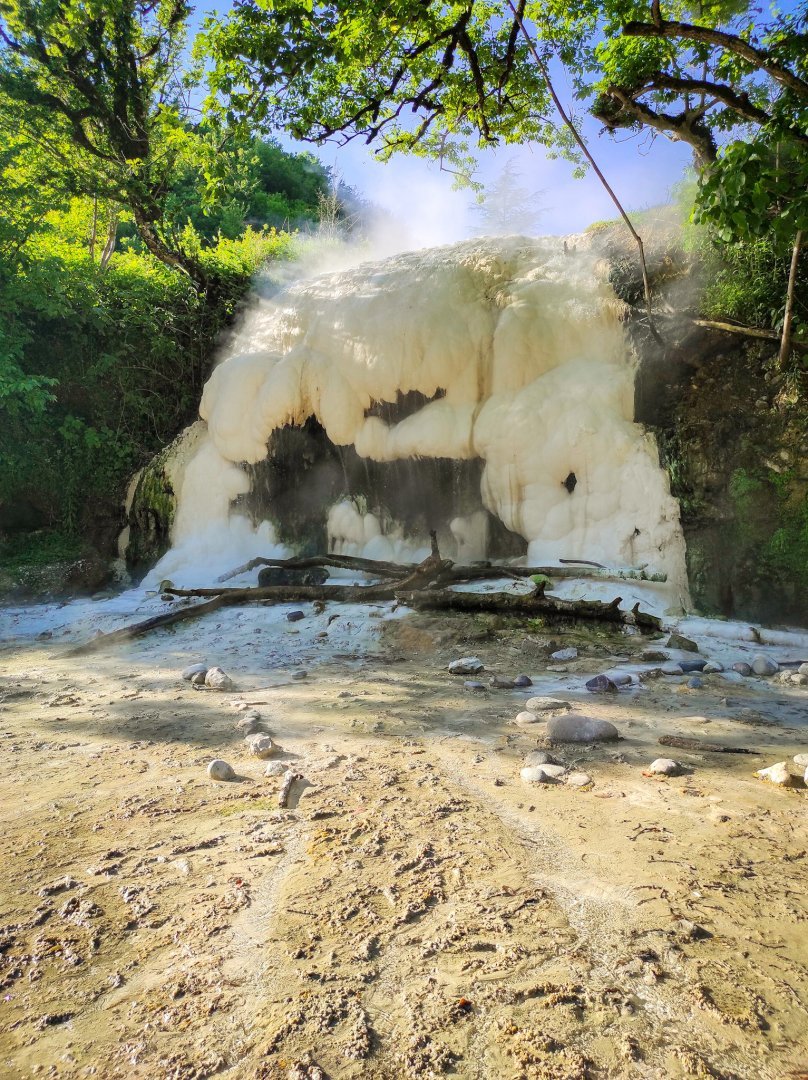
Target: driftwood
[
  {"x": 477, "y": 572},
  {"x": 534, "y": 604},
  {"x": 420, "y": 587},
  {"x": 697, "y": 744}
]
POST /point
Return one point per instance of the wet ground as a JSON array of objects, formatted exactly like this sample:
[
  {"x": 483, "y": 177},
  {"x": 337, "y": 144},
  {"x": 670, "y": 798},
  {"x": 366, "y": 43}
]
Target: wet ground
[{"x": 419, "y": 910}]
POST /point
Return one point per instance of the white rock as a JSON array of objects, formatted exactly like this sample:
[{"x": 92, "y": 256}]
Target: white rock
[
  {"x": 261, "y": 746},
  {"x": 578, "y": 779},
  {"x": 220, "y": 770},
  {"x": 784, "y": 677},
  {"x": 546, "y": 704},
  {"x": 466, "y": 665},
  {"x": 764, "y": 665},
  {"x": 666, "y": 767},
  {"x": 801, "y": 760},
  {"x": 802, "y": 669},
  {"x": 800, "y": 680},
  {"x": 194, "y": 669},
  {"x": 525, "y": 718},
  {"x": 218, "y": 679},
  {"x": 578, "y": 728},
  {"x": 275, "y": 768},
  {"x": 779, "y": 773},
  {"x": 541, "y": 774}
]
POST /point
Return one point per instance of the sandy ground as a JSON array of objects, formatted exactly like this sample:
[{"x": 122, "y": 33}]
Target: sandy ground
[{"x": 420, "y": 911}]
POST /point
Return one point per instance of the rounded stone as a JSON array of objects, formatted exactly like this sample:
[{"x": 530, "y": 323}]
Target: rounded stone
[
  {"x": 601, "y": 684},
  {"x": 198, "y": 679},
  {"x": 799, "y": 680},
  {"x": 275, "y": 768},
  {"x": 664, "y": 766},
  {"x": 466, "y": 665},
  {"x": 295, "y": 616},
  {"x": 801, "y": 760},
  {"x": 194, "y": 669},
  {"x": 261, "y": 745},
  {"x": 220, "y": 770},
  {"x": 541, "y": 774},
  {"x": 695, "y": 683},
  {"x": 672, "y": 669},
  {"x": 546, "y": 704},
  {"x": 501, "y": 682},
  {"x": 742, "y": 668},
  {"x": 525, "y": 680},
  {"x": 764, "y": 665},
  {"x": 802, "y": 669},
  {"x": 218, "y": 679},
  {"x": 578, "y": 779},
  {"x": 577, "y": 728},
  {"x": 248, "y": 724},
  {"x": 540, "y": 757},
  {"x": 525, "y": 718},
  {"x": 474, "y": 687},
  {"x": 563, "y": 655},
  {"x": 712, "y": 666}
]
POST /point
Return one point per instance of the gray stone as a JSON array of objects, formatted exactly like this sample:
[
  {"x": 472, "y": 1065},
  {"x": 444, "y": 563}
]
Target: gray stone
[
  {"x": 466, "y": 665},
  {"x": 799, "y": 680},
  {"x": 764, "y": 665},
  {"x": 563, "y": 655},
  {"x": 665, "y": 766},
  {"x": 540, "y": 757},
  {"x": 194, "y": 669},
  {"x": 249, "y": 724},
  {"x": 578, "y": 779},
  {"x": 295, "y": 616},
  {"x": 712, "y": 666},
  {"x": 691, "y": 665},
  {"x": 546, "y": 704},
  {"x": 619, "y": 678},
  {"x": 199, "y": 678},
  {"x": 218, "y": 679},
  {"x": 275, "y": 768},
  {"x": 525, "y": 680},
  {"x": 261, "y": 745},
  {"x": 742, "y": 667},
  {"x": 695, "y": 683},
  {"x": 300, "y": 675},
  {"x": 220, "y": 770},
  {"x": 501, "y": 682},
  {"x": 474, "y": 687},
  {"x": 575, "y": 727},
  {"x": 672, "y": 669},
  {"x": 601, "y": 684},
  {"x": 731, "y": 676},
  {"x": 654, "y": 656},
  {"x": 526, "y": 718},
  {"x": 542, "y": 774},
  {"x": 678, "y": 641},
  {"x": 780, "y": 774}
]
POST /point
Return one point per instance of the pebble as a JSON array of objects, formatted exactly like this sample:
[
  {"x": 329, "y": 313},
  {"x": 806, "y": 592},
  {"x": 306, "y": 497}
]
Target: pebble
[
  {"x": 540, "y": 757},
  {"x": 779, "y": 773},
  {"x": 601, "y": 684},
  {"x": 665, "y": 766},
  {"x": 672, "y": 669},
  {"x": 525, "y": 718},
  {"x": 218, "y": 679},
  {"x": 695, "y": 683},
  {"x": 564, "y": 654},
  {"x": 261, "y": 745},
  {"x": 578, "y": 779},
  {"x": 220, "y": 770},
  {"x": 691, "y": 665},
  {"x": 525, "y": 680},
  {"x": 802, "y": 669},
  {"x": 578, "y": 728},
  {"x": 474, "y": 687},
  {"x": 546, "y": 704},
  {"x": 712, "y": 666},
  {"x": 466, "y": 665},
  {"x": 542, "y": 774},
  {"x": 742, "y": 668},
  {"x": 194, "y": 669},
  {"x": 275, "y": 768},
  {"x": 295, "y": 616},
  {"x": 764, "y": 665},
  {"x": 678, "y": 641}
]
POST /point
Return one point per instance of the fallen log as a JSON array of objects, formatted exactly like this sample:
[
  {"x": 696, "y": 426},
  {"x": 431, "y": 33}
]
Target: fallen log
[
  {"x": 339, "y": 562},
  {"x": 127, "y": 633},
  {"x": 531, "y": 604},
  {"x": 697, "y": 744}
]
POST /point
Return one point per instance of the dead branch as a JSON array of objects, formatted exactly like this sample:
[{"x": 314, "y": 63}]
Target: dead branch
[
  {"x": 127, "y": 633},
  {"x": 339, "y": 562},
  {"x": 697, "y": 744}
]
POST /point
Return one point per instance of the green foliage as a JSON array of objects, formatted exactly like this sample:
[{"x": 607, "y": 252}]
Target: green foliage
[{"x": 781, "y": 538}]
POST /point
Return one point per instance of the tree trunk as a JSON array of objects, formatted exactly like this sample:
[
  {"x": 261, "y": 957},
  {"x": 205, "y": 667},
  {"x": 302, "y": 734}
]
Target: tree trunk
[
  {"x": 112, "y": 236},
  {"x": 172, "y": 259},
  {"x": 788, "y": 318}
]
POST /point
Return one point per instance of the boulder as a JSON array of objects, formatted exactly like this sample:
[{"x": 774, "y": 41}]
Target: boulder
[
  {"x": 781, "y": 774},
  {"x": 220, "y": 770},
  {"x": 546, "y": 704},
  {"x": 466, "y": 665},
  {"x": 542, "y": 774},
  {"x": 577, "y": 728},
  {"x": 194, "y": 669},
  {"x": 678, "y": 641},
  {"x": 261, "y": 746},
  {"x": 218, "y": 679},
  {"x": 664, "y": 766}
]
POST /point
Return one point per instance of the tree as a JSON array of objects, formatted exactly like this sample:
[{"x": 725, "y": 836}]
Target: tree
[{"x": 506, "y": 207}]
